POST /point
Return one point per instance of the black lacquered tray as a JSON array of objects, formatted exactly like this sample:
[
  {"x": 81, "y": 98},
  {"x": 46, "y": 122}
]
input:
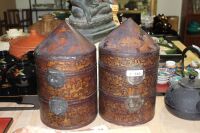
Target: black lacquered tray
[{"x": 174, "y": 56}]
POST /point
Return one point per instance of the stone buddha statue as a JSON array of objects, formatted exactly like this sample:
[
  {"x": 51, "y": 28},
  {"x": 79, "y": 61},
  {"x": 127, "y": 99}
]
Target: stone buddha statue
[{"x": 93, "y": 19}]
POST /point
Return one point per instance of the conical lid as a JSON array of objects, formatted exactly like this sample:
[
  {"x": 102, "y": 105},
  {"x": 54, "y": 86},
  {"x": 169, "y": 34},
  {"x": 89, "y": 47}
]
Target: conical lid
[
  {"x": 129, "y": 38},
  {"x": 22, "y": 45},
  {"x": 64, "y": 42}
]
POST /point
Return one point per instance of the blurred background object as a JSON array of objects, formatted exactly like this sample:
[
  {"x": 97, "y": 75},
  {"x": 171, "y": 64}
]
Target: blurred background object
[
  {"x": 173, "y": 20},
  {"x": 196, "y": 6},
  {"x": 62, "y": 15},
  {"x": 162, "y": 26},
  {"x": 46, "y": 25},
  {"x": 147, "y": 23}
]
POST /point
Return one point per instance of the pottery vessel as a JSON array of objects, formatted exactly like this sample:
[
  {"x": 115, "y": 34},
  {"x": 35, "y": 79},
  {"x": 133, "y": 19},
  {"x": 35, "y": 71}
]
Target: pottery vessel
[
  {"x": 46, "y": 25},
  {"x": 22, "y": 45}
]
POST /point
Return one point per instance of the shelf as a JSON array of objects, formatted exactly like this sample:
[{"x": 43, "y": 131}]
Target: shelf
[
  {"x": 50, "y": 9},
  {"x": 193, "y": 14},
  {"x": 129, "y": 11},
  {"x": 39, "y": 9},
  {"x": 193, "y": 35},
  {"x": 187, "y": 16},
  {"x": 191, "y": 41}
]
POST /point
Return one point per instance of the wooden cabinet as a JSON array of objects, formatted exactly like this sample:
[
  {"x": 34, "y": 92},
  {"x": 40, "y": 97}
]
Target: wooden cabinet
[
  {"x": 37, "y": 7},
  {"x": 6, "y": 4},
  {"x": 187, "y": 16}
]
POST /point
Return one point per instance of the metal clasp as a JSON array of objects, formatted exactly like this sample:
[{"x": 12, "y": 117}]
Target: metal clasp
[
  {"x": 55, "y": 78},
  {"x": 134, "y": 103},
  {"x": 58, "y": 106},
  {"x": 135, "y": 76}
]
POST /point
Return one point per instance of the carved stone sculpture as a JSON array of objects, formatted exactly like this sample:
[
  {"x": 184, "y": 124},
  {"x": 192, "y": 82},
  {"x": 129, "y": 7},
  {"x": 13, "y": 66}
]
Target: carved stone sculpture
[{"x": 93, "y": 19}]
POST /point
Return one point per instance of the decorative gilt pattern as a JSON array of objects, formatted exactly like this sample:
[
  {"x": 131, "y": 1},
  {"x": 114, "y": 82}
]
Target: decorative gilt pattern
[
  {"x": 114, "y": 110},
  {"x": 2, "y": 61},
  {"x": 77, "y": 115},
  {"x": 127, "y": 48},
  {"x": 74, "y": 64},
  {"x": 117, "y": 84},
  {"x": 66, "y": 69},
  {"x": 129, "y": 62},
  {"x": 75, "y": 87},
  {"x": 115, "y": 88},
  {"x": 18, "y": 72}
]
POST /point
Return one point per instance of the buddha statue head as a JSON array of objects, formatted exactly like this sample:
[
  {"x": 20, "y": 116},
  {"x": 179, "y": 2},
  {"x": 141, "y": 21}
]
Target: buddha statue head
[{"x": 93, "y": 19}]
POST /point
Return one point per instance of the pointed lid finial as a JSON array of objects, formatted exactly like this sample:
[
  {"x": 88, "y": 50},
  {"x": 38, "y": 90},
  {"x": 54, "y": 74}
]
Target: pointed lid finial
[
  {"x": 129, "y": 38},
  {"x": 64, "y": 42}
]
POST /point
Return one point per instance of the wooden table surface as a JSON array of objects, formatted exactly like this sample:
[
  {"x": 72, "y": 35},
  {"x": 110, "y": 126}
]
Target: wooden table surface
[{"x": 163, "y": 122}]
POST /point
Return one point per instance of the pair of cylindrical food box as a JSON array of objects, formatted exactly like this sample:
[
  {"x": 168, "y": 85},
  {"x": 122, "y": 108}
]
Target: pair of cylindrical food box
[{"x": 67, "y": 77}]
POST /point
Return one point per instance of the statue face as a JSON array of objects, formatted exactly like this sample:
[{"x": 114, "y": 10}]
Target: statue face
[{"x": 88, "y": 15}]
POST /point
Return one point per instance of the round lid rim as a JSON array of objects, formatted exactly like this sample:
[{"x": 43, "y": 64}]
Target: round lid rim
[
  {"x": 103, "y": 50},
  {"x": 65, "y": 57}
]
